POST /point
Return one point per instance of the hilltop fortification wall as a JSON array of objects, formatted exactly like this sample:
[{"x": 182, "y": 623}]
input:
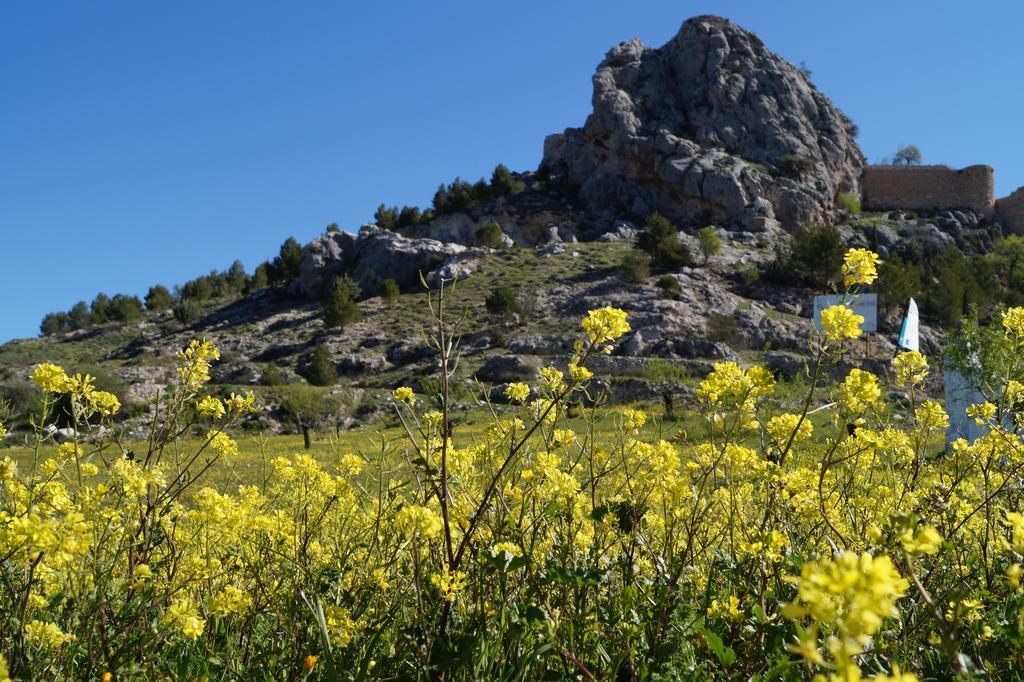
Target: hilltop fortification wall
[
  {"x": 1010, "y": 211},
  {"x": 928, "y": 188}
]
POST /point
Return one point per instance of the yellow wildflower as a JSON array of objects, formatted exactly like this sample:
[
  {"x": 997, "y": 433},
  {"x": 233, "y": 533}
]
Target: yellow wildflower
[
  {"x": 517, "y": 392},
  {"x": 210, "y": 408},
  {"x": 104, "y": 403},
  {"x": 50, "y": 378},
  {"x": 839, "y": 323},
  {"x": 183, "y": 614},
  {"x": 221, "y": 443},
  {"x": 926, "y": 541},
  {"x": 605, "y": 325},
  {"x": 404, "y": 394},
  {"x": 47, "y": 635},
  {"x": 241, "y": 404},
  {"x": 414, "y": 519},
  {"x": 859, "y": 391},
  {"x": 194, "y": 363},
  {"x": 1013, "y": 323},
  {"x": 911, "y": 368},
  {"x": 230, "y": 600},
  {"x": 860, "y": 267},
  {"x": 449, "y": 583}
]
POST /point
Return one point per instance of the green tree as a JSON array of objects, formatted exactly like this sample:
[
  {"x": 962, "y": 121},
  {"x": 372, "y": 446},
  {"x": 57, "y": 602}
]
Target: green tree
[
  {"x": 489, "y": 235},
  {"x": 199, "y": 289},
  {"x": 389, "y": 291},
  {"x": 816, "y": 255},
  {"x": 409, "y": 216},
  {"x": 309, "y": 408},
  {"x": 125, "y": 308},
  {"x": 502, "y": 302},
  {"x": 260, "y": 277},
  {"x": 235, "y": 278},
  {"x": 898, "y": 281},
  {"x": 99, "y": 309},
  {"x": 158, "y": 298},
  {"x": 907, "y": 155},
  {"x": 635, "y": 266},
  {"x": 53, "y": 323},
  {"x": 322, "y": 370},
  {"x": 710, "y": 243},
  {"x": 340, "y": 307},
  {"x": 503, "y": 183},
  {"x": 288, "y": 262},
  {"x": 660, "y": 240},
  {"x": 333, "y": 228},
  {"x": 385, "y": 217},
  {"x": 78, "y": 316},
  {"x": 1009, "y": 255}
]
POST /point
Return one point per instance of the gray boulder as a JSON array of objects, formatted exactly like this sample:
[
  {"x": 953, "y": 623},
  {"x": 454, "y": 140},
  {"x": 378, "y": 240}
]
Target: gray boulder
[{"x": 377, "y": 254}]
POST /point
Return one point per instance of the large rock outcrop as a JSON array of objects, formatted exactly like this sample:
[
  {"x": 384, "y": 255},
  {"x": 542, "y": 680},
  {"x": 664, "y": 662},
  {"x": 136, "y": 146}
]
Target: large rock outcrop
[
  {"x": 376, "y": 254},
  {"x": 702, "y": 127}
]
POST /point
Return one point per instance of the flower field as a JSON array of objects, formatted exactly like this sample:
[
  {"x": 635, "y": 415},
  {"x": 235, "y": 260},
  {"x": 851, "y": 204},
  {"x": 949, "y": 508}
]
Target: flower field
[{"x": 762, "y": 545}]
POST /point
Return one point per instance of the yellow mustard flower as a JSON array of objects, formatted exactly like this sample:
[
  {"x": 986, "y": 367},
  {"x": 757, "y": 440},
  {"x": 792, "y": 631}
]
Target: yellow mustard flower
[
  {"x": 517, "y": 392},
  {"x": 210, "y": 407},
  {"x": 605, "y": 325},
  {"x": 839, "y": 323},
  {"x": 1013, "y": 323},
  {"x": 926, "y": 541},
  {"x": 911, "y": 368},
  {"x": 50, "y": 378},
  {"x": 860, "y": 267},
  {"x": 404, "y": 394}
]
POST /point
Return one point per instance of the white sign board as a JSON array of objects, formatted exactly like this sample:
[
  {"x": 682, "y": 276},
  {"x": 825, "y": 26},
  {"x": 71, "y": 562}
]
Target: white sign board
[
  {"x": 961, "y": 394},
  {"x": 865, "y": 305}
]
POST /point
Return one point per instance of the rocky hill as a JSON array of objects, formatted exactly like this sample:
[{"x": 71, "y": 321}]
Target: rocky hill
[{"x": 710, "y": 129}]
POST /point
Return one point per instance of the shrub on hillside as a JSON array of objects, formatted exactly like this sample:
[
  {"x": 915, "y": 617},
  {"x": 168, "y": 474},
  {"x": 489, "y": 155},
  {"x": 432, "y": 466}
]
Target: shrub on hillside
[
  {"x": 321, "y": 370},
  {"x": 660, "y": 240},
  {"x": 635, "y": 267},
  {"x": 502, "y": 302},
  {"x": 158, "y": 298},
  {"x": 710, "y": 243},
  {"x": 812, "y": 257},
  {"x": 187, "y": 311},
  {"x": 273, "y": 376},
  {"x": 389, "y": 291},
  {"x": 340, "y": 307},
  {"x": 489, "y": 235},
  {"x": 669, "y": 284},
  {"x": 848, "y": 202}
]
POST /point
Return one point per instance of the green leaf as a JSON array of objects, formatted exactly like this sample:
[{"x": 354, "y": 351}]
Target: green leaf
[{"x": 725, "y": 655}]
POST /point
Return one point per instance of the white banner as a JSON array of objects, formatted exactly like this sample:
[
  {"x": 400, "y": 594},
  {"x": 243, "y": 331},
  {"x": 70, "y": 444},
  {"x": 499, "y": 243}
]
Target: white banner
[
  {"x": 865, "y": 305},
  {"x": 909, "y": 338}
]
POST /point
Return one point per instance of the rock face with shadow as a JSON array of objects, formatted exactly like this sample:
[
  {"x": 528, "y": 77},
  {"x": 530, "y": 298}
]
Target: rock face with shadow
[{"x": 712, "y": 127}]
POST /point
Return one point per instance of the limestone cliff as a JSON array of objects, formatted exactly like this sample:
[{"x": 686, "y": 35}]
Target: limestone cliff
[{"x": 701, "y": 128}]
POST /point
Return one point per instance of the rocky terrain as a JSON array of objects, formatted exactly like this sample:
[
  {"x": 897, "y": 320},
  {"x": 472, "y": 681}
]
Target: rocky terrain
[{"x": 710, "y": 129}]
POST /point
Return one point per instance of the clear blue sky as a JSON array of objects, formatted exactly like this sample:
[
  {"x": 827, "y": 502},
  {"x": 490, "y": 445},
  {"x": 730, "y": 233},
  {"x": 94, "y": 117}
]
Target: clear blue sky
[{"x": 150, "y": 142}]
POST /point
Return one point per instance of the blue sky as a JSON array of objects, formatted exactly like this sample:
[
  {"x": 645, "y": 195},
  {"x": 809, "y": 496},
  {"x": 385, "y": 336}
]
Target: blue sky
[{"x": 146, "y": 142}]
